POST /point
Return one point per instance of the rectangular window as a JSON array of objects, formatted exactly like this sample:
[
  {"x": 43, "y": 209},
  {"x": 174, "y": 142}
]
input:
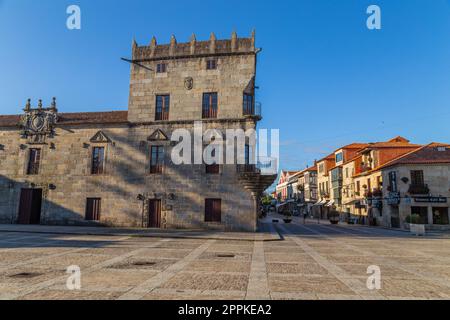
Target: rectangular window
[
  {"x": 321, "y": 168},
  {"x": 358, "y": 187},
  {"x": 156, "y": 159},
  {"x": 161, "y": 68},
  {"x": 417, "y": 178},
  {"x": 339, "y": 157},
  {"x": 209, "y": 108},
  {"x": 213, "y": 210},
  {"x": 162, "y": 107},
  {"x": 212, "y": 168},
  {"x": 211, "y": 64},
  {"x": 34, "y": 161},
  {"x": 93, "y": 209},
  {"x": 249, "y": 106},
  {"x": 98, "y": 159},
  {"x": 393, "y": 181}
]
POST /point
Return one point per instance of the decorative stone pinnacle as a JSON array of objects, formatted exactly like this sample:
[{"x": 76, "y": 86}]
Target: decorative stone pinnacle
[
  {"x": 193, "y": 38},
  {"x": 40, "y": 104},
  {"x": 153, "y": 42},
  {"x": 212, "y": 37},
  {"x": 234, "y": 41},
  {"x": 253, "y": 38},
  {"x": 173, "y": 40},
  {"x": 53, "y": 106},
  {"x": 28, "y": 105}
]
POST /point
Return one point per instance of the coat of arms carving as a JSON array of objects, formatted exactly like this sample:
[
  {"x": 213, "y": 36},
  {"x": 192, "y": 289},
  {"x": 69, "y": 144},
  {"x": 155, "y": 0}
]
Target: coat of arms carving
[
  {"x": 189, "y": 83},
  {"x": 38, "y": 123}
]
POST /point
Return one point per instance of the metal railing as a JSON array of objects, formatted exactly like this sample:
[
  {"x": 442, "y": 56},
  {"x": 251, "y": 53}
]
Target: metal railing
[
  {"x": 263, "y": 165},
  {"x": 254, "y": 110}
]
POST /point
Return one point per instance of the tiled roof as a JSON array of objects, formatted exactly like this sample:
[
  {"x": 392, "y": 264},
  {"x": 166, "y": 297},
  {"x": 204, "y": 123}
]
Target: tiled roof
[
  {"x": 433, "y": 153},
  {"x": 397, "y": 142},
  {"x": 111, "y": 117},
  {"x": 356, "y": 145},
  {"x": 9, "y": 121}
]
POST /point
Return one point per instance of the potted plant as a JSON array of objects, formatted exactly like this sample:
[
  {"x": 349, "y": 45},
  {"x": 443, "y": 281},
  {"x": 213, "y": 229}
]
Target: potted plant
[
  {"x": 333, "y": 216},
  {"x": 415, "y": 224}
]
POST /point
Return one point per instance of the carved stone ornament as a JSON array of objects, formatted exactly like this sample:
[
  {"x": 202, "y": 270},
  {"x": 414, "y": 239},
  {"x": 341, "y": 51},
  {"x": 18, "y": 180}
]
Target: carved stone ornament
[
  {"x": 38, "y": 124},
  {"x": 158, "y": 135},
  {"x": 100, "y": 137},
  {"x": 189, "y": 83}
]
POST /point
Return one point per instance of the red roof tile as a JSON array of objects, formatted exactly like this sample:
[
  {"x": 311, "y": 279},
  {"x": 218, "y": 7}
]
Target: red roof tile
[{"x": 433, "y": 153}]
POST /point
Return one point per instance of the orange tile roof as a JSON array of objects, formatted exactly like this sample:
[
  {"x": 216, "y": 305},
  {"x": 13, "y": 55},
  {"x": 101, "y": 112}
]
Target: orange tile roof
[{"x": 428, "y": 154}]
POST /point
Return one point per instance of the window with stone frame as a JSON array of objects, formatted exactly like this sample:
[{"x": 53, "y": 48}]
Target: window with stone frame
[
  {"x": 161, "y": 67},
  {"x": 34, "y": 161},
  {"x": 98, "y": 160},
  {"x": 162, "y": 107},
  {"x": 211, "y": 64},
  {"x": 212, "y": 168},
  {"x": 249, "y": 106},
  {"x": 156, "y": 159},
  {"x": 417, "y": 178},
  {"x": 209, "y": 105}
]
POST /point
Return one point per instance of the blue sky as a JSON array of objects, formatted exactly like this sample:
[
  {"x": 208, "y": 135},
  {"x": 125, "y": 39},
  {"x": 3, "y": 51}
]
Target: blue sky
[{"x": 325, "y": 79}]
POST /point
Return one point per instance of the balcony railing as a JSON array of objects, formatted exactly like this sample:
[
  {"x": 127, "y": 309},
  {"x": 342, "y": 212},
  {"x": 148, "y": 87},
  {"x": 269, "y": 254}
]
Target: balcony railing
[
  {"x": 253, "y": 110},
  {"x": 162, "y": 116},
  {"x": 375, "y": 193},
  {"x": 264, "y": 166},
  {"x": 209, "y": 112},
  {"x": 418, "y": 189}
]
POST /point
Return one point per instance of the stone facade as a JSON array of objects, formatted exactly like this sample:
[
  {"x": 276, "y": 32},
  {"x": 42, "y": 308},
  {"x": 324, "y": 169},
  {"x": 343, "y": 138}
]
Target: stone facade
[{"x": 126, "y": 186}]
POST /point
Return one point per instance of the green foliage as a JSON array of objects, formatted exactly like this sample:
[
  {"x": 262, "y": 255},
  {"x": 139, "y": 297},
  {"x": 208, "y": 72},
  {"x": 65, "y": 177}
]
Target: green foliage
[
  {"x": 414, "y": 219},
  {"x": 267, "y": 200}
]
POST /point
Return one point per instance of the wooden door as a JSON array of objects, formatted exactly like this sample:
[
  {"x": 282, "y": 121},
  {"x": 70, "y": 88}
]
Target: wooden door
[
  {"x": 213, "y": 210},
  {"x": 93, "y": 209},
  {"x": 36, "y": 206},
  {"x": 30, "y": 206},
  {"x": 154, "y": 212}
]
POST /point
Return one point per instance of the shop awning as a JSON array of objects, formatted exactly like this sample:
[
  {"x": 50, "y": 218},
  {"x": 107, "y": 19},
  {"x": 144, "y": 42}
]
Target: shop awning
[
  {"x": 330, "y": 203},
  {"x": 320, "y": 203},
  {"x": 352, "y": 202}
]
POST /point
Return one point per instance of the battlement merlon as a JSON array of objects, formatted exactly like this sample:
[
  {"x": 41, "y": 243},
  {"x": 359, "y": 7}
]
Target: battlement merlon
[{"x": 194, "y": 48}]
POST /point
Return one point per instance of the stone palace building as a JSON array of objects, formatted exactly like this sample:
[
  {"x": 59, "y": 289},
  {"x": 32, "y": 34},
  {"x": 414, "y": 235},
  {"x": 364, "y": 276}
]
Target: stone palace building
[{"x": 115, "y": 168}]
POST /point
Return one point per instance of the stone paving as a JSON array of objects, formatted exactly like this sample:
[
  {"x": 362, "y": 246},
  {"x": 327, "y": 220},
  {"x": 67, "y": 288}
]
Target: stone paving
[{"x": 309, "y": 262}]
